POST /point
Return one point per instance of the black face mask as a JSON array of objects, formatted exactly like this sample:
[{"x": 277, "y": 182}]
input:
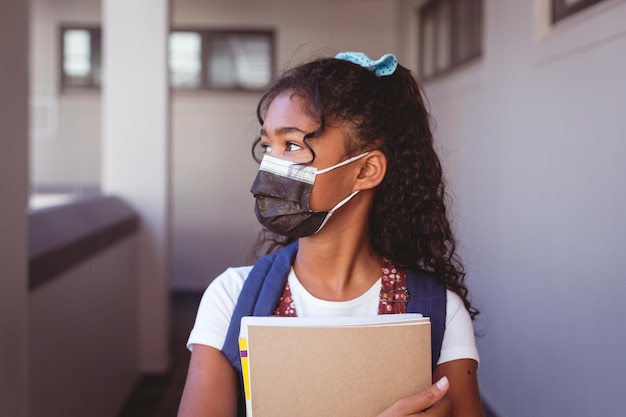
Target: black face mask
[{"x": 282, "y": 190}]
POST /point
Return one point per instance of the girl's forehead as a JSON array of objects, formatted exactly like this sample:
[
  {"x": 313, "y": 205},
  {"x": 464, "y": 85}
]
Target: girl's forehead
[{"x": 289, "y": 110}]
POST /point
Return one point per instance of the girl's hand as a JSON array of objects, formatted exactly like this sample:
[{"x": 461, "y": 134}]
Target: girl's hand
[{"x": 430, "y": 402}]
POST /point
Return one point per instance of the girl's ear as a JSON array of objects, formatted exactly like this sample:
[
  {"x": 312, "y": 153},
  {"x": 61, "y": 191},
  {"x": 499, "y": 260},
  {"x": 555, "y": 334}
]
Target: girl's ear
[{"x": 373, "y": 169}]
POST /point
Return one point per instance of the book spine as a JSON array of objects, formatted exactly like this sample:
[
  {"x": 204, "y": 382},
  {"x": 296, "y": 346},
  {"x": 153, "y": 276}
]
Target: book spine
[{"x": 245, "y": 370}]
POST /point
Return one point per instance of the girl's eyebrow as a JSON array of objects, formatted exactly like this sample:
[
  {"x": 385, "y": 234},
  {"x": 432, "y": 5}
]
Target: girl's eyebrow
[{"x": 281, "y": 131}]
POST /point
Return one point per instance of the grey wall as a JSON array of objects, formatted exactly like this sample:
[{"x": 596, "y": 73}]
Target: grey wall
[
  {"x": 84, "y": 336},
  {"x": 13, "y": 189},
  {"x": 534, "y": 143}
]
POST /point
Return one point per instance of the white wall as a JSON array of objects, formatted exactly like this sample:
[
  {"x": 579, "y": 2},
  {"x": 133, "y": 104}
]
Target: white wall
[
  {"x": 13, "y": 189},
  {"x": 84, "y": 336},
  {"x": 67, "y": 151},
  {"x": 533, "y": 138},
  {"x": 136, "y": 153}
]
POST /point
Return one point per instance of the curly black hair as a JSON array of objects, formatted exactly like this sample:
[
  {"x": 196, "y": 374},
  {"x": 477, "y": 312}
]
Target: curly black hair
[{"x": 408, "y": 222}]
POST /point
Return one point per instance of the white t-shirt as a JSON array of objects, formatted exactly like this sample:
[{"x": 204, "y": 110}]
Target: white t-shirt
[{"x": 219, "y": 300}]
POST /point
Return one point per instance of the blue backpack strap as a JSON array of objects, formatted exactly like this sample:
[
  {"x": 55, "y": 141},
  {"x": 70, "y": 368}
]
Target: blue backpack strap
[
  {"x": 264, "y": 285},
  {"x": 259, "y": 295},
  {"x": 427, "y": 295}
]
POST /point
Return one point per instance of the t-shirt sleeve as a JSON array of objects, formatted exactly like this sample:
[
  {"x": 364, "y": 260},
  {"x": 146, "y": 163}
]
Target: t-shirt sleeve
[
  {"x": 216, "y": 308},
  {"x": 458, "y": 338}
]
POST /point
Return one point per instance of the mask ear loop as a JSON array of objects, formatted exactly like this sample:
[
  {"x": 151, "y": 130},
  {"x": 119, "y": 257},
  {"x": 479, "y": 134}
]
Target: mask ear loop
[
  {"x": 345, "y": 200},
  {"x": 342, "y": 163},
  {"x": 337, "y": 207}
]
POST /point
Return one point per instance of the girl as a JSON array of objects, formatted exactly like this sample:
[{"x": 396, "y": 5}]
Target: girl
[{"x": 350, "y": 176}]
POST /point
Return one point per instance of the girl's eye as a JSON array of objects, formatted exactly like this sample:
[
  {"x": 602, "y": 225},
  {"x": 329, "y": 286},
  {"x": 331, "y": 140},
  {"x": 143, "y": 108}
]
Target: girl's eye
[
  {"x": 292, "y": 147},
  {"x": 265, "y": 148}
]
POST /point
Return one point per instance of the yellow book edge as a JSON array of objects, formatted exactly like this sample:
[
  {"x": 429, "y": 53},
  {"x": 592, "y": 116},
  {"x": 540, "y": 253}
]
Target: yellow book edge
[{"x": 245, "y": 367}]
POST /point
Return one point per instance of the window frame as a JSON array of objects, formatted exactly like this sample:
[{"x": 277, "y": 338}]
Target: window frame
[
  {"x": 95, "y": 58},
  {"x": 455, "y": 60},
  {"x": 205, "y": 36},
  {"x": 560, "y": 10}
]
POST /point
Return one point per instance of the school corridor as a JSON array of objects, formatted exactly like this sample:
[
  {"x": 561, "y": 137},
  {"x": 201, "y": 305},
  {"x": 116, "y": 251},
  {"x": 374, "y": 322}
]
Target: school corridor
[{"x": 125, "y": 169}]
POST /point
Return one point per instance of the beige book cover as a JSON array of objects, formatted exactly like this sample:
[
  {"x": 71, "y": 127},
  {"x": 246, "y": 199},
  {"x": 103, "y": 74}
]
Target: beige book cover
[{"x": 339, "y": 367}]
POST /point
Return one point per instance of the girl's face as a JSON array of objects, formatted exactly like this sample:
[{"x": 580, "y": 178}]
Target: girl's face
[{"x": 282, "y": 136}]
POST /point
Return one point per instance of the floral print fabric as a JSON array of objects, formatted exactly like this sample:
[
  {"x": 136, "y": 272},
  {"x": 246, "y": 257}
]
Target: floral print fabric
[
  {"x": 286, "y": 306},
  {"x": 393, "y": 293}
]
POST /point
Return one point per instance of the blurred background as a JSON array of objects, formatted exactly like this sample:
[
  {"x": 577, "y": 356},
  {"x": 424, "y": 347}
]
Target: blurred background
[{"x": 125, "y": 166}]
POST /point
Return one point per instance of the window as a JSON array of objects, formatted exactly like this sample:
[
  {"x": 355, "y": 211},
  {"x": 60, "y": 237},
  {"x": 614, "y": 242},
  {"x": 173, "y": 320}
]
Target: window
[
  {"x": 564, "y": 8},
  {"x": 198, "y": 59},
  {"x": 185, "y": 59},
  {"x": 81, "y": 52},
  {"x": 450, "y": 35},
  {"x": 221, "y": 60}
]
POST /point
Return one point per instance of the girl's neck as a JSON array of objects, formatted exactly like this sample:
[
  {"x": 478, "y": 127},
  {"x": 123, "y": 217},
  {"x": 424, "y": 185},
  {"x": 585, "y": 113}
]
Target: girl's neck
[{"x": 338, "y": 265}]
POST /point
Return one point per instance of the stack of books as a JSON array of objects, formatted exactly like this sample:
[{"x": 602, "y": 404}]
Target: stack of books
[{"x": 340, "y": 367}]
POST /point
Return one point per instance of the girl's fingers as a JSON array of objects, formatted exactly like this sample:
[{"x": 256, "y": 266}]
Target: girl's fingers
[{"x": 418, "y": 402}]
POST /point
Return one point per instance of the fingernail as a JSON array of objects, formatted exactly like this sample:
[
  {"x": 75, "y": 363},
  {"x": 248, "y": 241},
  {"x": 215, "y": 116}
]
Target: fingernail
[{"x": 442, "y": 383}]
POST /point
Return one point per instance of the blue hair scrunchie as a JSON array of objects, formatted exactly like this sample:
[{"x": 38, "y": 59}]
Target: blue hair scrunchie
[{"x": 385, "y": 65}]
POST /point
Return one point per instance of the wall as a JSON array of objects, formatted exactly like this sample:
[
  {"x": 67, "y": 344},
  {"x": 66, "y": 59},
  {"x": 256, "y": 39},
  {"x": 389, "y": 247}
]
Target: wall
[
  {"x": 13, "y": 189},
  {"x": 533, "y": 141},
  {"x": 84, "y": 343},
  {"x": 67, "y": 151},
  {"x": 136, "y": 154}
]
